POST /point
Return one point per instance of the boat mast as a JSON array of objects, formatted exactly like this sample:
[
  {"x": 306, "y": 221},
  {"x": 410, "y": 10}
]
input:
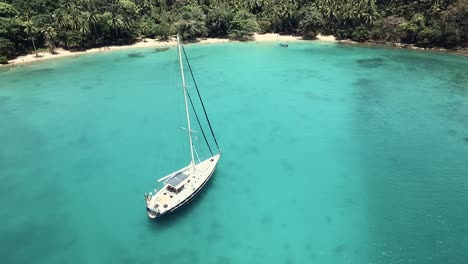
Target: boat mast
[{"x": 185, "y": 98}]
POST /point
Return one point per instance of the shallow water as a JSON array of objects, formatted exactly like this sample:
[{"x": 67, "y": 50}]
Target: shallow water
[{"x": 331, "y": 154}]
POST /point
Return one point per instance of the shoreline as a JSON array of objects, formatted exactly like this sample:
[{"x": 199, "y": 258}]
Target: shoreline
[
  {"x": 397, "y": 45},
  {"x": 268, "y": 37},
  {"x": 146, "y": 43}
]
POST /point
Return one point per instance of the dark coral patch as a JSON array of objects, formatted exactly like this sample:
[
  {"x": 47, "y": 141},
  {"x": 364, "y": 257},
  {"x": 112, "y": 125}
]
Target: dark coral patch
[{"x": 370, "y": 63}]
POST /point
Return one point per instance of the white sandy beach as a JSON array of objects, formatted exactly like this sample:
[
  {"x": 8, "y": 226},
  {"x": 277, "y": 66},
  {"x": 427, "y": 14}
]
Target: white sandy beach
[
  {"x": 327, "y": 38},
  {"x": 148, "y": 43}
]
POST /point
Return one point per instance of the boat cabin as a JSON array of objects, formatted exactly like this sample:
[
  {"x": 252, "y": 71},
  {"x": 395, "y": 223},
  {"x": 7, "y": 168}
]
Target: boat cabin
[{"x": 175, "y": 184}]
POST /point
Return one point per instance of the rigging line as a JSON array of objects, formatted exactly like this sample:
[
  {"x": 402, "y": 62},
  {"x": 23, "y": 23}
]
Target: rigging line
[
  {"x": 198, "y": 120},
  {"x": 199, "y": 96},
  {"x": 179, "y": 143}
]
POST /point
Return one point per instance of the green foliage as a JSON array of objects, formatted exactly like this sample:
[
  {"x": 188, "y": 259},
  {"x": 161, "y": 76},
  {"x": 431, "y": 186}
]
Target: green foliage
[
  {"x": 311, "y": 23},
  {"x": 429, "y": 36},
  {"x": 264, "y": 26},
  {"x": 50, "y": 37},
  {"x": 11, "y": 28},
  {"x": 390, "y": 29},
  {"x": 361, "y": 34},
  {"x": 218, "y": 21},
  {"x": 344, "y": 33},
  {"x": 455, "y": 24},
  {"x": 128, "y": 8},
  {"x": 243, "y": 26},
  {"x": 7, "y": 10},
  {"x": 283, "y": 15},
  {"x": 191, "y": 24},
  {"x": 31, "y": 30},
  {"x": 147, "y": 28},
  {"x": 3, "y": 59},
  {"x": 166, "y": 27},
  {"x": 7, "y": 50}
]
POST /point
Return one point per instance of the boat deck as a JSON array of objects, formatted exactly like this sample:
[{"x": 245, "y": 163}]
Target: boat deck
[{"x": 170, "y": 198}]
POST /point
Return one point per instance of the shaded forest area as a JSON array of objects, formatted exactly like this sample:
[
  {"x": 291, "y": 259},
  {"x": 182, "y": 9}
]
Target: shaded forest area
[{"x": 29, "y": 25}]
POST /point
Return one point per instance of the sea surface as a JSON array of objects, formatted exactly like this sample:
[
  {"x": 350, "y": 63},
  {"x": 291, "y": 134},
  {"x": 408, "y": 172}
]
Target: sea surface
[{"x": 330, "y": 154}]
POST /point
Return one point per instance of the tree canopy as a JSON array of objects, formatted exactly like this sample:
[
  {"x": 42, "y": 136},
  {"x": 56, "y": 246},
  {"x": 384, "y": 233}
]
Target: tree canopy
[{"x": 79, "y": 24}]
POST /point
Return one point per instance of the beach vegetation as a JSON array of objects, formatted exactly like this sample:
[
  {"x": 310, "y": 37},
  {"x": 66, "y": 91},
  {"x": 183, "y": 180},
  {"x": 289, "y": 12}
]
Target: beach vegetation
[
  {"x": 7, "y": 10},
  {"x": 242, "y": 26},
  {"x": 7, "y": 50},
  {"x": 82, "y": 24},
  {"x": 31, "y": 30},
  {"x": 391, "y": 29},
  {"x": 311, "y": 23},
  {"x": 191, "y": 23},
  {"x": 50, "y": 36},
  {"x": 218, "y": 21}
]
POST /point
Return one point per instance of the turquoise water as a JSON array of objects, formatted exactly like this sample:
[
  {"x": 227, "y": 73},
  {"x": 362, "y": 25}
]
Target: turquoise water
[{"x": 331, "y": 154}]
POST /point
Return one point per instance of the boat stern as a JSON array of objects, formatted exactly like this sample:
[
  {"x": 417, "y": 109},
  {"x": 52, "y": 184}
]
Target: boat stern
[
  {"x": 152, "y": 213},
  {"x": 152, "y": 209}
]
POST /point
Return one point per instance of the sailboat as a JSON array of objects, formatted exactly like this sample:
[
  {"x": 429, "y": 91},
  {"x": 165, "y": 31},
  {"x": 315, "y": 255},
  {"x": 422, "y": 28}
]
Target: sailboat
[{"x": 181, "y": 186}]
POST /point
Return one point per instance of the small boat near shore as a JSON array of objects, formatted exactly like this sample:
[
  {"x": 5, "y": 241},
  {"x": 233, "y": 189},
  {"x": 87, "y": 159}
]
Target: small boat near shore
[
  {"x": 181, "y": 186},
  {"x": 284, "y": 45}
]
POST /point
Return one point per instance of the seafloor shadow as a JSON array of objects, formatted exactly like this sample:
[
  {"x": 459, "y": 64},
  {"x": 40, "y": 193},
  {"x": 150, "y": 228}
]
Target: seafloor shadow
[
  {"x": 370, "y": 63},
  {"x": 135, "y": 55},
  {"x": 158, "y": 50},
  {"x": 367, "y": 90}
]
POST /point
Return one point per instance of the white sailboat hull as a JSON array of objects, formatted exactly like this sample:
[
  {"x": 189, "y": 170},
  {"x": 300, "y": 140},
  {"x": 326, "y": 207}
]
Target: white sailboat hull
[{"x": 168, "y": 199}]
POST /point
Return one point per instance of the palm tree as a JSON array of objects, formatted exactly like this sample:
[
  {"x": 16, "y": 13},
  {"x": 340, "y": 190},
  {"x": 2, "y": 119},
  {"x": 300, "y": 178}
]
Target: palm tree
[
  {"x": 145, "y": 29},
  {"x": 50, "y": 36},
  {"x": 62, "y": 19},
  {"x": 83, "y": 27},
  {"x": 115, "y": 22},
  {"x": 347, "y": 13},
  {"x": 91, "y": 18},
  {"x": 275, "y": 14},
  {"x": 291, "y": 16},
  {"x": 75, "y": 20},
  {"x": 30, "y": 30},
  {"x": 146, "y": 7}
]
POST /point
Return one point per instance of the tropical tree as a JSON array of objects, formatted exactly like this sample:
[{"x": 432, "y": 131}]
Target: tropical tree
[
  {"x": 243, "y": 25},
  {"x": 9, "y": 21},
  {"x": 83, "y": 27},
  {"x": 429, "y": 37},
  {"x": 147, "y": 7},
  {"x": 145, "y": 29},
  {"x": 115, "y": 21},
  {"x": 455, "y": 23},
  {"x": 31, "y": 30},
  {"x": 92, "y": 19},
  {"x": 7, "y": 50},
  {"x": 311, "y": 23},
  {"x": 62, "y": 19},
  {"x": 166, "y": 26},
  {"x": 7, "y": 10},
  {"x": 218, "y": 21},
  {"x": 129, "y": 13},
  {"x": 50, "y": 37},
  {"x": 366, "y": 11},
  {"x": 391, "y": 29},
  {"x": 191, "y": 24}
]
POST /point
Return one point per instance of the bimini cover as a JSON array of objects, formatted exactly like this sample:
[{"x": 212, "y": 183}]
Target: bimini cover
[{"x": 176, "y": 180}]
